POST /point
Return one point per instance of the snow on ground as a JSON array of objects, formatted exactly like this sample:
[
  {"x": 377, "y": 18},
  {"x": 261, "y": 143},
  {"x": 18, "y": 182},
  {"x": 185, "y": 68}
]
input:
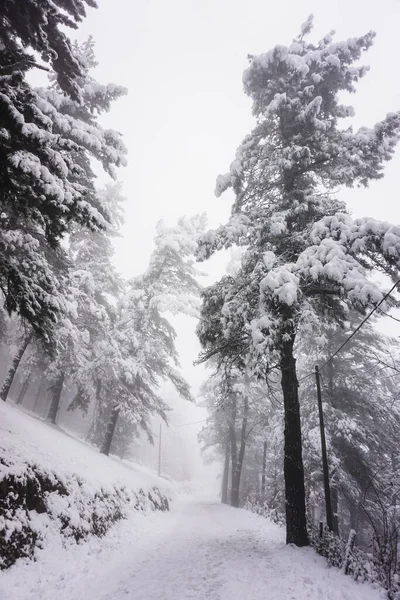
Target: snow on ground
[
  {"x": 25, "y": 438},
  {"x": 199, "y": 551}
]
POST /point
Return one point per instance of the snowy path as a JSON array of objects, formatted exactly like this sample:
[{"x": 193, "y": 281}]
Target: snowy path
[{"x": 199, "y": 551}]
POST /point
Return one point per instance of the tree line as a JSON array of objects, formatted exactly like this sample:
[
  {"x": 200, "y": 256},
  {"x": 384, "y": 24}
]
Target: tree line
[{"x": 76, "y": 329}]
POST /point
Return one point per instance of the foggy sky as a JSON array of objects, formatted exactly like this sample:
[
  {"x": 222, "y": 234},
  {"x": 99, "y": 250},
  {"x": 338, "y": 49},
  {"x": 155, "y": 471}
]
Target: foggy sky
[{"x": 186, "y": 113}]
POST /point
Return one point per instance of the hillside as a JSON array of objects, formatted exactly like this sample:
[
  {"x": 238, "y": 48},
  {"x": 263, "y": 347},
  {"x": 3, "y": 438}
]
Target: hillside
[
  {"x": 24, "y": 438},
  {"x": 56, "y": 490}
]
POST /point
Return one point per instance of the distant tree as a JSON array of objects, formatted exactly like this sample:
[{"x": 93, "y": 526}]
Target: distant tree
[
  {"x": 24, "y": 342},
  {"x": 237, "y": 409},
  {"x": 306, "y": 258},
  {"x": 142, "y": 353}
]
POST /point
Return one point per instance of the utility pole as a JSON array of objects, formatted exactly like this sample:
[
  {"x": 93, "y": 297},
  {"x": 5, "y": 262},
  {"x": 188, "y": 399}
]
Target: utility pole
[
  {"x": 328, "y": 501},
  {"x": 264, "y": 467},
  {"x": 159, "y": 453}
]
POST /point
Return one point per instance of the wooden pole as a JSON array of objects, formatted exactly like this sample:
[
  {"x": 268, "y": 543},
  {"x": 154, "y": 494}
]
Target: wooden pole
[
  {"x": 264, "y": 468},
  {"x": 325, "y": 468}
]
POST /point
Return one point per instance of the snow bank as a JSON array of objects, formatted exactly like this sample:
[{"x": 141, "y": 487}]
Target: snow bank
[{"x": 52, "y": 484}]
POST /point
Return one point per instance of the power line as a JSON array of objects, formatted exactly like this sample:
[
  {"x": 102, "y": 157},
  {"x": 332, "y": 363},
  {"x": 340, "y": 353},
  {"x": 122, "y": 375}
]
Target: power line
[
  {"x": 357, "y": 329},
  {"x": 193, "y": 423},
  {"x": 306, "y": 376},
  {"x": 311, "y": 374}
]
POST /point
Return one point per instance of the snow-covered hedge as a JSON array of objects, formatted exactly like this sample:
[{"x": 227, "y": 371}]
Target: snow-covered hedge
[
  {"x": 381, "y": 566},
  {"x": 36, "y": 503},
  {"x": 257, "y": 505}
]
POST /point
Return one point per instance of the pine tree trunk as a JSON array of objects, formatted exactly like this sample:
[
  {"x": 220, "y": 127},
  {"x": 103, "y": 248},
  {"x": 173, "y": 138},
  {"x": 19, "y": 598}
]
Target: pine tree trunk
[
  {"x": 37, "y": 397},
  {"x": 234, "y": 496},
  {"x": 91, "y": 434},
  {"x": 264, "y": 468},
  {"x": 24, "y": 388},
  {"x": 237, "y": 458},
  {"x": 296, "y": 526},
  {"x": 55, "y": 401},
  {"x": 14, "y": 366},
  {"x": 106, "y": 446},
  {"x": 235, "y": 488},
  {"x": 225, "y": 477},
  {"x": 234, "y": 466}
]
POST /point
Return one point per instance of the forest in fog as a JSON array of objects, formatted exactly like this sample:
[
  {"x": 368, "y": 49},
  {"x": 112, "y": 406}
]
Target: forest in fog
[{"x": 290, "y": 300}]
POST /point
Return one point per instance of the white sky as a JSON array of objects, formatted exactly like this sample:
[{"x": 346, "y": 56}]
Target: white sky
[{"x": 186, "y": 113}]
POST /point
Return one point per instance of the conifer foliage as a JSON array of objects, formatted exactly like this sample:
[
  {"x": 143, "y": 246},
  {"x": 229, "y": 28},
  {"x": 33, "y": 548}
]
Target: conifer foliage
[
  {"x": 305, "y": 258},
  {"x": 48, "y": 138},
  {"x": 37, "y": 26}
]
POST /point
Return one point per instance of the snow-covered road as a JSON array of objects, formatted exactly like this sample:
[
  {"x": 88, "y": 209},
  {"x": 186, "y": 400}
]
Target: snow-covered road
[{"x": 199, "y": 551}]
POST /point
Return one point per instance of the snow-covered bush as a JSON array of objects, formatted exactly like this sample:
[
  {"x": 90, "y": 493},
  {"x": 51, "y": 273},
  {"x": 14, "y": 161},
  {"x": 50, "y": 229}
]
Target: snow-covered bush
[
  {"x": 254, "y": 503},
  {"x": 362, "y": 566},
  {"x": 35, "y": 503}
]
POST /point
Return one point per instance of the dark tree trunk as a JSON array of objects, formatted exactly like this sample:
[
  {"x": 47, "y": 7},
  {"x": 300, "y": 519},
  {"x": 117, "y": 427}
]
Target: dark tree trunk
[
  {"x": 91, "y": 434},
  {"x": 225, "y": 477},
  {"x": 264, "y": 468},
  {"x": 234, "y": 464},
  {"x": 106, "y": 445},
  {"x": 296, "y": 526},
  {"x": 14, "y": 366},
  {"x": 237, "y": 458},
  {"x": 56, "y": 398},
  {"x": 335, "y": 515},
  {"x": 24, "y": 388},
  {"x": 37, "y": 397}
]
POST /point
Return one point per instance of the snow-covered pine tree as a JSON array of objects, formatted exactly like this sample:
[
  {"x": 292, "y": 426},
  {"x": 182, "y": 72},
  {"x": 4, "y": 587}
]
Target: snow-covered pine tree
[
  {"x": 306, "y": 257},
  {"x": 32, "y": 26},
  {"x": 47, "y": 142},
  {"x": 94, "y": 287},
  {"x": 98, "y": 288},
  {"x": 214, "y": 435},
  {"x": 142, "y": 353},
  {"x": 23, "y": 344}
]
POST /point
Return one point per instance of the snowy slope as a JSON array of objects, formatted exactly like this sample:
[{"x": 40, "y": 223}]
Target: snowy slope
[
  {"x": 57, "y": 490},
  {"x": 24, "y": 438},
  {"x": 199, "y": 551}
]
